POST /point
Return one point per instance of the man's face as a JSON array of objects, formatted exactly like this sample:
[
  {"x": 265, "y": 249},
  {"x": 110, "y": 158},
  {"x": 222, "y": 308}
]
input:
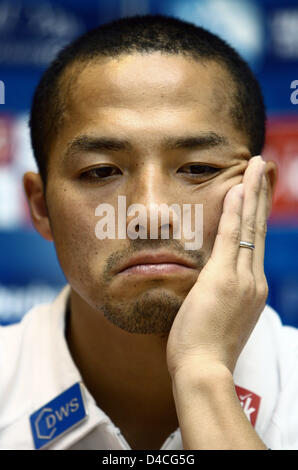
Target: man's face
[{"x": 141, "y": 109}]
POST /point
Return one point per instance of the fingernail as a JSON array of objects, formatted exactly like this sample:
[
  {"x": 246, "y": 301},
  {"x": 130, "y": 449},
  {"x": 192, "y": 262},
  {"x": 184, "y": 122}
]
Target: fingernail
[
  {"x": 260, "y": 159},
  {"x": 256, "y": 157},
  {"x": 260, "y": 166},
  {"x": 262, "y": 170},
  {"x": 240, "y": 189}
]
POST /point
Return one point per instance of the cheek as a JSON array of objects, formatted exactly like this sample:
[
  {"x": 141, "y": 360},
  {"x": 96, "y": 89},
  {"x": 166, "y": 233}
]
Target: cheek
[
  {"x": 73, "y": 226},
  {"x": 212, "y": 210}
]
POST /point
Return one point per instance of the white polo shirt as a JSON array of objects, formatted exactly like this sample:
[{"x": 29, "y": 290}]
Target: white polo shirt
[{"x": 36, "y": 366}]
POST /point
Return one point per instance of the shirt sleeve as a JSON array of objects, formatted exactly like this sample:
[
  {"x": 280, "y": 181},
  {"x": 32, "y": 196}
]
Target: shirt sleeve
[{"x": 283, "y": 430}]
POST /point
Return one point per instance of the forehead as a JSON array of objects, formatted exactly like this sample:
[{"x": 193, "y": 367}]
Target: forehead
[
  {"x": 148, "y": 80},
  {"x": 145, "y": 97}
]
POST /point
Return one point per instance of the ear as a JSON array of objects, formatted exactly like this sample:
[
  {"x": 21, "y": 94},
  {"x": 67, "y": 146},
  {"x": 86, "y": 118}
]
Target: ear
[
  {"x": 34, "y": 190},
  {"x": 271, "y": 173}
]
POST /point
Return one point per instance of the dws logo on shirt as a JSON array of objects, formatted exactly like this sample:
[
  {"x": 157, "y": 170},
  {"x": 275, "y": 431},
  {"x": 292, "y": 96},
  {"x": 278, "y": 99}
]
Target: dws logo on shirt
[{"x": 57, "y": 416}]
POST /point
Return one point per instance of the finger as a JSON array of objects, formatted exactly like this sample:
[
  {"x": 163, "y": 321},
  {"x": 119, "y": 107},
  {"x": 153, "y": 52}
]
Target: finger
[
  {"x": 252, "y": 184},
  {"x": 226, "y": 245},
  {"x": 260, "y": 234}
]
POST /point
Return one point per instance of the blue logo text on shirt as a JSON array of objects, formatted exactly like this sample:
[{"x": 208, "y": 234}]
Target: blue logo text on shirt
[{"x": 57, "y": 416}]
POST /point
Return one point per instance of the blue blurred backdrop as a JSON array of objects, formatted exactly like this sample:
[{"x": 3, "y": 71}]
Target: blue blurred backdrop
[{"x": 32, "y": 31}]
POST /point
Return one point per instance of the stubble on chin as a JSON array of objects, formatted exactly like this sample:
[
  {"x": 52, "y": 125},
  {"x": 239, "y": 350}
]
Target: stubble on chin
[{"x": 150, "y": 313}]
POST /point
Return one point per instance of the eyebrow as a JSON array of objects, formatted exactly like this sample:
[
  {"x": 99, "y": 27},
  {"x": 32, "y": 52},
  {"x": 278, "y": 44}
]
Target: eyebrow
[
  {"x": 206, "y": 140},
  {"x": 85, "y": 143}
]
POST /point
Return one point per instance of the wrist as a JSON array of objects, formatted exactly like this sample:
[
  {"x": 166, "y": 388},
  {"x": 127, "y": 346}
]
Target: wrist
[
  {"x": 208, "y": 409},
  {"x": 198, "y": 374}
]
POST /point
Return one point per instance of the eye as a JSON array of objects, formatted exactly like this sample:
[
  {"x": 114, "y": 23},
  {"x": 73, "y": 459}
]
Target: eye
[
  {"x": 198, "y": 171},
  {"x": 100, "y": 173}
]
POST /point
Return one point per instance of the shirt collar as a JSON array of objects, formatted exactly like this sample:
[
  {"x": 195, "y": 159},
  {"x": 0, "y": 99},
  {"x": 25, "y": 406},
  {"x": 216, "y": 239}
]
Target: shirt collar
[{"x": 55, "y": 371}]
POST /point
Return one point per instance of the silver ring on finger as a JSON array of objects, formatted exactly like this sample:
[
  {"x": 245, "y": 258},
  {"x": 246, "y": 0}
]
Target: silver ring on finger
[{"x": 244, "y": 244}]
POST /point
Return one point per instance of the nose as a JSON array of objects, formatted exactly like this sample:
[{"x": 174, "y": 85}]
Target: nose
[{"x": 152, "y": 211}]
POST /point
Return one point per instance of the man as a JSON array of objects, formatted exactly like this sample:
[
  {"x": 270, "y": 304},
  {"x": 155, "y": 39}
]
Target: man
[{"x": 173, "y": 348}]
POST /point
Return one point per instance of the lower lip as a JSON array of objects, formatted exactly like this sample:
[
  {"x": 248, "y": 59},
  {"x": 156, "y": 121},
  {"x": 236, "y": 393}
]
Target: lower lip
[{"x": 160, "y": 268}]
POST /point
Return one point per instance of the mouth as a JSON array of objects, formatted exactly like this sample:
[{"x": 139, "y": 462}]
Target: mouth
[{"x": 156, "y": 263}]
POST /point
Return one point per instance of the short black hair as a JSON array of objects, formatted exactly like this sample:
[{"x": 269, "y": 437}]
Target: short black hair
[{"x": 145, "y": 34}]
